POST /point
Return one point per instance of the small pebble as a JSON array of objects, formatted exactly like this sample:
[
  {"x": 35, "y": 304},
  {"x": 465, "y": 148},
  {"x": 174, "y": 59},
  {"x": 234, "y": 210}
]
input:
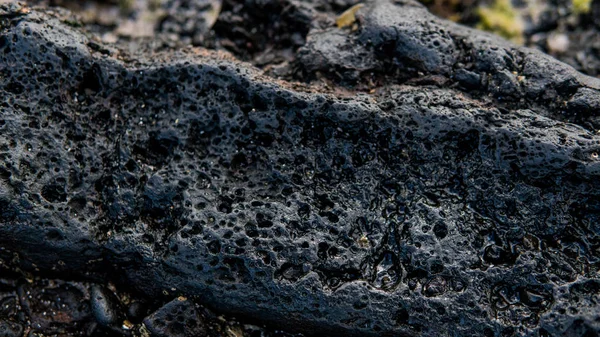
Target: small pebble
[
  {"x": 558, "y": 43},
  {"x": 136, "y": 311},
  {"x": 105, "y": 307}
]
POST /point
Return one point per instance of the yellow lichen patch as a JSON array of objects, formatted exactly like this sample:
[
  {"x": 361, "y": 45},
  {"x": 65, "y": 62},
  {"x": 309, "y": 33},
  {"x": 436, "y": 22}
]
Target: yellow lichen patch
[
  {"x": 348, "y": 17},
  {"x": 581, "y": 6},
  {"x": 502, "y": 19}
]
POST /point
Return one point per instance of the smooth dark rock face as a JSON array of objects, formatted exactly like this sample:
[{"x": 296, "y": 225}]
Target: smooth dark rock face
[
  {"x": 105, "y": 307},
  {"x": 444, "y": 182}
]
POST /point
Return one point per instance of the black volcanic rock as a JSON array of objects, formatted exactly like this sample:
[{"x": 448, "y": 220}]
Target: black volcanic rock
[
  {"x": 177, "y": 318},
  {"x": 399, "y": 199},
  {"x": 105, "y": 307}
]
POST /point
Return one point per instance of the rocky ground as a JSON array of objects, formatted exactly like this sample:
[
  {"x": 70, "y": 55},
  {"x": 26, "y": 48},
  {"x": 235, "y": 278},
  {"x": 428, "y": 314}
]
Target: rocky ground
[
  {"x": 567, "y": 30},
  {"x": 243, "y": 168}
]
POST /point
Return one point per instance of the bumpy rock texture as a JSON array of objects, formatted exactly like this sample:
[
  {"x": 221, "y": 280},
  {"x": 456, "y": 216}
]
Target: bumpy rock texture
[{"x": 425, "y": 180}]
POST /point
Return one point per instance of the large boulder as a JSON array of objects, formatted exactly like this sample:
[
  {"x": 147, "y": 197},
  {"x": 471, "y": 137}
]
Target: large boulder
[{"x": 441, "y": 182}]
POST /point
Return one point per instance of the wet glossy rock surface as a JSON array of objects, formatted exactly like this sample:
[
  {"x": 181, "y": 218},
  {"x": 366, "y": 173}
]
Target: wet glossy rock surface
[{"x": 439, "y": 182}]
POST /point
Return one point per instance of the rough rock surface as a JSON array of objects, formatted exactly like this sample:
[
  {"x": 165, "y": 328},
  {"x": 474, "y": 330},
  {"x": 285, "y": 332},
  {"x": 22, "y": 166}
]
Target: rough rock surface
[
  {"x": 426, "y": 180},
  {"x": 175, "y": 319}
]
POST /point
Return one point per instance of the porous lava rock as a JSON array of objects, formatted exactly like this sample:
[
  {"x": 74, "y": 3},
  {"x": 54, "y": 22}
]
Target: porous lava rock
[
  {"x": 425, "y": 179},
  {"x": 177, "y": 318}
]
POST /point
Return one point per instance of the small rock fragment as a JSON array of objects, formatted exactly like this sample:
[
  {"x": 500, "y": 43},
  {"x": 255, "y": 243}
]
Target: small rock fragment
[
  {"x": 105, "y": 307},
  {"x": 136, "y": 311},
  {"x": 177, "y": 318},
  {"x": 348, "y": 17},
  {"x": 558, "y": 43}
]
